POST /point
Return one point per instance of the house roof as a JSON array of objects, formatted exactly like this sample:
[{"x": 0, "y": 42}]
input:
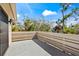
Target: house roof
[{"x": 10, "y": 9}]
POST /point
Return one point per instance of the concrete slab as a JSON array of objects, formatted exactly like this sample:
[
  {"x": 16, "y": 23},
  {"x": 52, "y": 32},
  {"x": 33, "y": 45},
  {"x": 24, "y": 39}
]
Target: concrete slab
[{"x": 26, "y": 48}]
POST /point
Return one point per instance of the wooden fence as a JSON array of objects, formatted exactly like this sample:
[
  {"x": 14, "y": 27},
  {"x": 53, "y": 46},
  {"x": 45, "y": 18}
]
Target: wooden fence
[
  {"x": 65, "y": 42},
  {"x": 68, "y": 43},
  {"x": 18, "y": 36}
]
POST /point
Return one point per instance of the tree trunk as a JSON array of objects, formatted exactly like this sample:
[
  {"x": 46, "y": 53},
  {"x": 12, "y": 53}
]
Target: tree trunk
[{"x": 63, "y": 21}]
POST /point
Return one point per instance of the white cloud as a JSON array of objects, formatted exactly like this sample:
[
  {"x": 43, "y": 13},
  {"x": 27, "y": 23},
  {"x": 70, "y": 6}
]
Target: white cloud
[
  {"x": 18, "y": 15},
  {"x": 48, "y": 12}
]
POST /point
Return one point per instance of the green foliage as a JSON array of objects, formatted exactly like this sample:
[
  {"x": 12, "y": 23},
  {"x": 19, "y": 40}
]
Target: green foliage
[
  {"x": 31, "y": 25},
  {"x": 65, "y": 6},
  {"x": 66, "y": 29},
  {"x": 32, "y": 28},
  {"x": 15, "y": 28},
  {"x": 75, "y": 10},
  {"x": 74, "y": 13},
  {"x": 27, "y": 24},
  {"x": 72, "y": 30},
  {"x": 67, "y": 16},
  {"x": 76, "y": 27},
  {"x": 44, "y": 27}
]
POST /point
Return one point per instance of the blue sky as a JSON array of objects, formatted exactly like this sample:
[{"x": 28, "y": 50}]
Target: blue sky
[{"x": 49, "y": 11}]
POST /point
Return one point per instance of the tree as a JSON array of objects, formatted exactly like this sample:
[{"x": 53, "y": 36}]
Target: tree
[
  {"x": 15, "y": 28},
  {"x": 75, "y": 12},
  {"x": 27, "y": 24},
  {"x": 44, "y": 27},
  {"x": 64, "y": 6},
  {"x": 76, "y": 27}
]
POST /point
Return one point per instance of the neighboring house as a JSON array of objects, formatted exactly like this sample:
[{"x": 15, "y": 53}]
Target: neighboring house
[{"x": 7, "y": 13}]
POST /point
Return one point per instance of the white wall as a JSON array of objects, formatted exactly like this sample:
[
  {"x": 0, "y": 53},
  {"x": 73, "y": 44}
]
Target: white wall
[{"x": 9, "y": 33}]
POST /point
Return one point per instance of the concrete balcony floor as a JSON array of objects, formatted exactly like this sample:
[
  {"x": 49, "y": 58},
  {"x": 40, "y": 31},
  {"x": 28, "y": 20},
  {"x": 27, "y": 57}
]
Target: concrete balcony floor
[{"x": 32, "y": 48}]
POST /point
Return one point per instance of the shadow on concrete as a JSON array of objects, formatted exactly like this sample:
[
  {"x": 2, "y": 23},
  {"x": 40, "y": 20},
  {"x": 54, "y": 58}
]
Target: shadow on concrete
[{"x": 51, "y": 50}]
